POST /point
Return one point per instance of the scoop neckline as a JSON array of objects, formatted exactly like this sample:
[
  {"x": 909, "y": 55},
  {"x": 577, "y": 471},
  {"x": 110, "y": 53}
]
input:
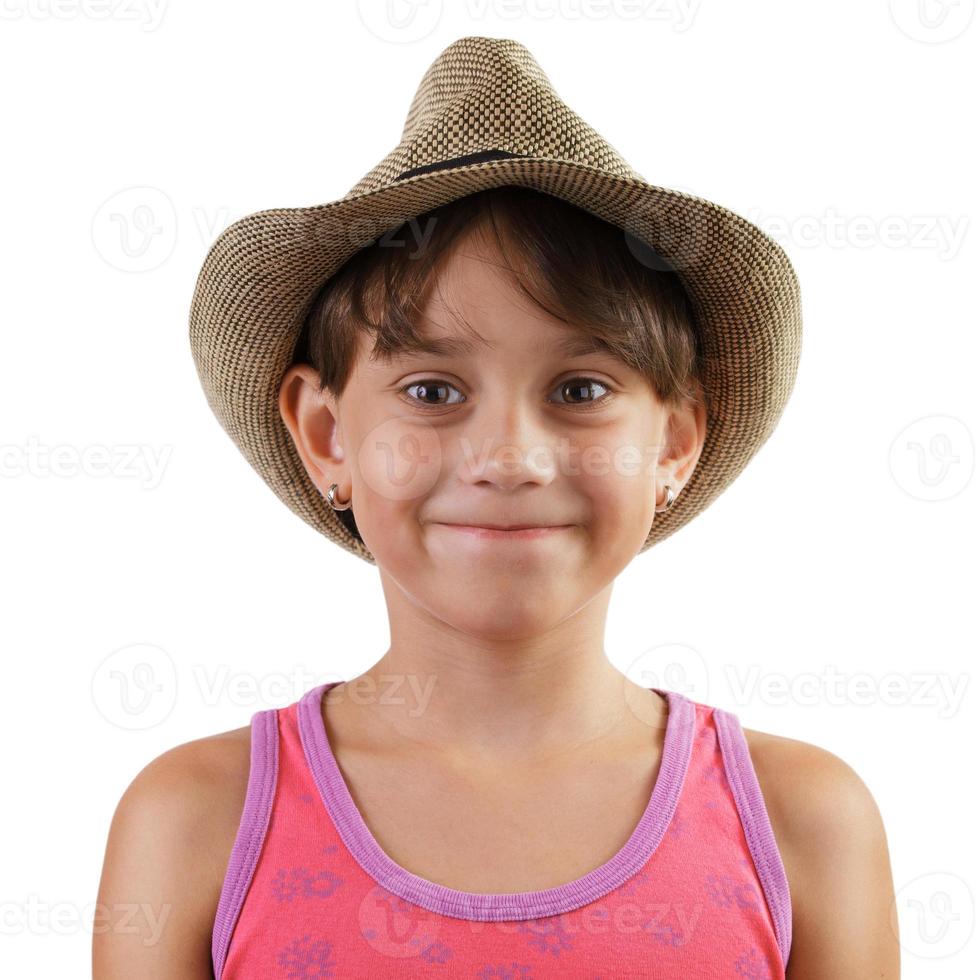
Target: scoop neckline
[{"x": 500, "y": 906}]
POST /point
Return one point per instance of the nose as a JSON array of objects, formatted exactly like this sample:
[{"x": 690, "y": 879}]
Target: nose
[{"x": 507, "y": 443}]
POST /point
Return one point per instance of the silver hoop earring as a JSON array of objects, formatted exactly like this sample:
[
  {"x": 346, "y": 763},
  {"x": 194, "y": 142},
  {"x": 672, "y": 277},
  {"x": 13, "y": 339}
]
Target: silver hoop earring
[
  {"x": 332, "y": 499},
  {"x": 670, "y": 497}
]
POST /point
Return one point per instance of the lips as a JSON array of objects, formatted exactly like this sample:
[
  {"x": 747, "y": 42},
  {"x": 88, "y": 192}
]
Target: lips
[
  {"x": 501, "y": 525},
  {"x": 521, "y": 532},
  {"x": 507, "y": 527}
]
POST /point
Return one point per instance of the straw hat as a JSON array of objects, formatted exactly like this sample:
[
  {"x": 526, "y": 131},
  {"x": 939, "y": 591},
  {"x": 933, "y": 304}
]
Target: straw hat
[{"x": 485, "y": 115}]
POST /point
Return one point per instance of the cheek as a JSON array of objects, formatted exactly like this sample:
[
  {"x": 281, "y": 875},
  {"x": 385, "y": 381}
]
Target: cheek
[
  {"x": 623, "y": 505},
  {"x": 620, "y": 483},
  {"x": 398, "y": 461},
  {"x": 617, "y": 466}
]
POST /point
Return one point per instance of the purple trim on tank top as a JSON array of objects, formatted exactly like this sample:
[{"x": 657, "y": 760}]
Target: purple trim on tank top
[
  {"x": 755, "y": 822},
  {"x": 262, "y": 776},
  {"x": 632, "y": 856}
]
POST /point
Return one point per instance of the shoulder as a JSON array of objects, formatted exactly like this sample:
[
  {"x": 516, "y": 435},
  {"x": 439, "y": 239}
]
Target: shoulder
[
  {"x": 833, "y": 844},
  {"x": 169, "y": 844},
  {"x": 809, "y": 791}
]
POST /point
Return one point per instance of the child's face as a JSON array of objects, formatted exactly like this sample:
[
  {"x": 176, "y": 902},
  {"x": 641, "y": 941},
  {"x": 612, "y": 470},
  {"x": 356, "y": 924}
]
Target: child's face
[{"x": 495, "y": 435}]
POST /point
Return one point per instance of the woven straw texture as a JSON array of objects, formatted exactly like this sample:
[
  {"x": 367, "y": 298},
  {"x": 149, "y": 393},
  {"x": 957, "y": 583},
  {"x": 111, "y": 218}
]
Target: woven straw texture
[{"x": 485, "y": 115}]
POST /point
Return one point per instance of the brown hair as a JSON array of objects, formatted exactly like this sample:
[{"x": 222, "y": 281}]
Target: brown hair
[{"x": 595, "y": 277}]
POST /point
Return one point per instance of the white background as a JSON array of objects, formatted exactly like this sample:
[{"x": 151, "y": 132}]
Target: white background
[{"x": 824, "y": 597}]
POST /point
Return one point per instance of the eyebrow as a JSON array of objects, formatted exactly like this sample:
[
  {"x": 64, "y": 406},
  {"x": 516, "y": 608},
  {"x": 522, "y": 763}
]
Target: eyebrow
[{"x": 456, "y": 346}]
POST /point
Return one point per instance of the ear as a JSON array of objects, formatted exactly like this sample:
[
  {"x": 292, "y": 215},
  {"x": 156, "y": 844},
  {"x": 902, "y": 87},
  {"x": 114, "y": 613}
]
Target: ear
[
  {"x": 311, "y": 416},
  {"x": 684, "y": 431}
]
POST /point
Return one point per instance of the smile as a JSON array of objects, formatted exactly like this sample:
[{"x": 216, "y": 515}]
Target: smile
[{"x": 514, "y": 534}]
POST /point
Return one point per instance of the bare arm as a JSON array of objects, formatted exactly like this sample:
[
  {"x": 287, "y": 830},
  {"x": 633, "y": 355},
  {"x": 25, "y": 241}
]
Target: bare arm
[
  {"x": 169, "y": 844},
  {"x": 832, "y": 840}
]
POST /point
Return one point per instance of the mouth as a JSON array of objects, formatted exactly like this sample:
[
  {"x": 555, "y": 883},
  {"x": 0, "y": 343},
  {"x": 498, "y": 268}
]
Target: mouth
[{"x": 516, "y": 533}]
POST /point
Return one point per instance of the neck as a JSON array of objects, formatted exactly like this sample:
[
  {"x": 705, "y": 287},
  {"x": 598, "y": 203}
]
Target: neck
[{"x": 531, "y": 707}]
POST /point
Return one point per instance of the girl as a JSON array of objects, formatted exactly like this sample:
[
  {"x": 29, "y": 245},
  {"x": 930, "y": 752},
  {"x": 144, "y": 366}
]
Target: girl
[{"x": 517, "y": 400}]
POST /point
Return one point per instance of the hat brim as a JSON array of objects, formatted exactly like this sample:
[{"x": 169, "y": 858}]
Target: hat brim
[{"x": 261, "y": 274}]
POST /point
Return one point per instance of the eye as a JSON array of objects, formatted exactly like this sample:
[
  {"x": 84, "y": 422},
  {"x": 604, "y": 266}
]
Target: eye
[
  {"x": 428, "y": 385},
  {"x": 578, "y": 386}
]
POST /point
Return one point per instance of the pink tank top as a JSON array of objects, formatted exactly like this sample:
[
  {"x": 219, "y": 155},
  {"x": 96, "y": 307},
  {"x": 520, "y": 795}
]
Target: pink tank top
[{"x": 698, "y": 890}]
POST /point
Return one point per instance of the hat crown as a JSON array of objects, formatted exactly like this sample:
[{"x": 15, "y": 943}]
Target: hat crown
[{"x": 486, "y": 95}]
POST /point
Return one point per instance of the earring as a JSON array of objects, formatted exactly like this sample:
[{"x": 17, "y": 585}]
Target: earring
[
  {"x": 670, "y": 497},
  {"x": 332, "y": 499}
]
